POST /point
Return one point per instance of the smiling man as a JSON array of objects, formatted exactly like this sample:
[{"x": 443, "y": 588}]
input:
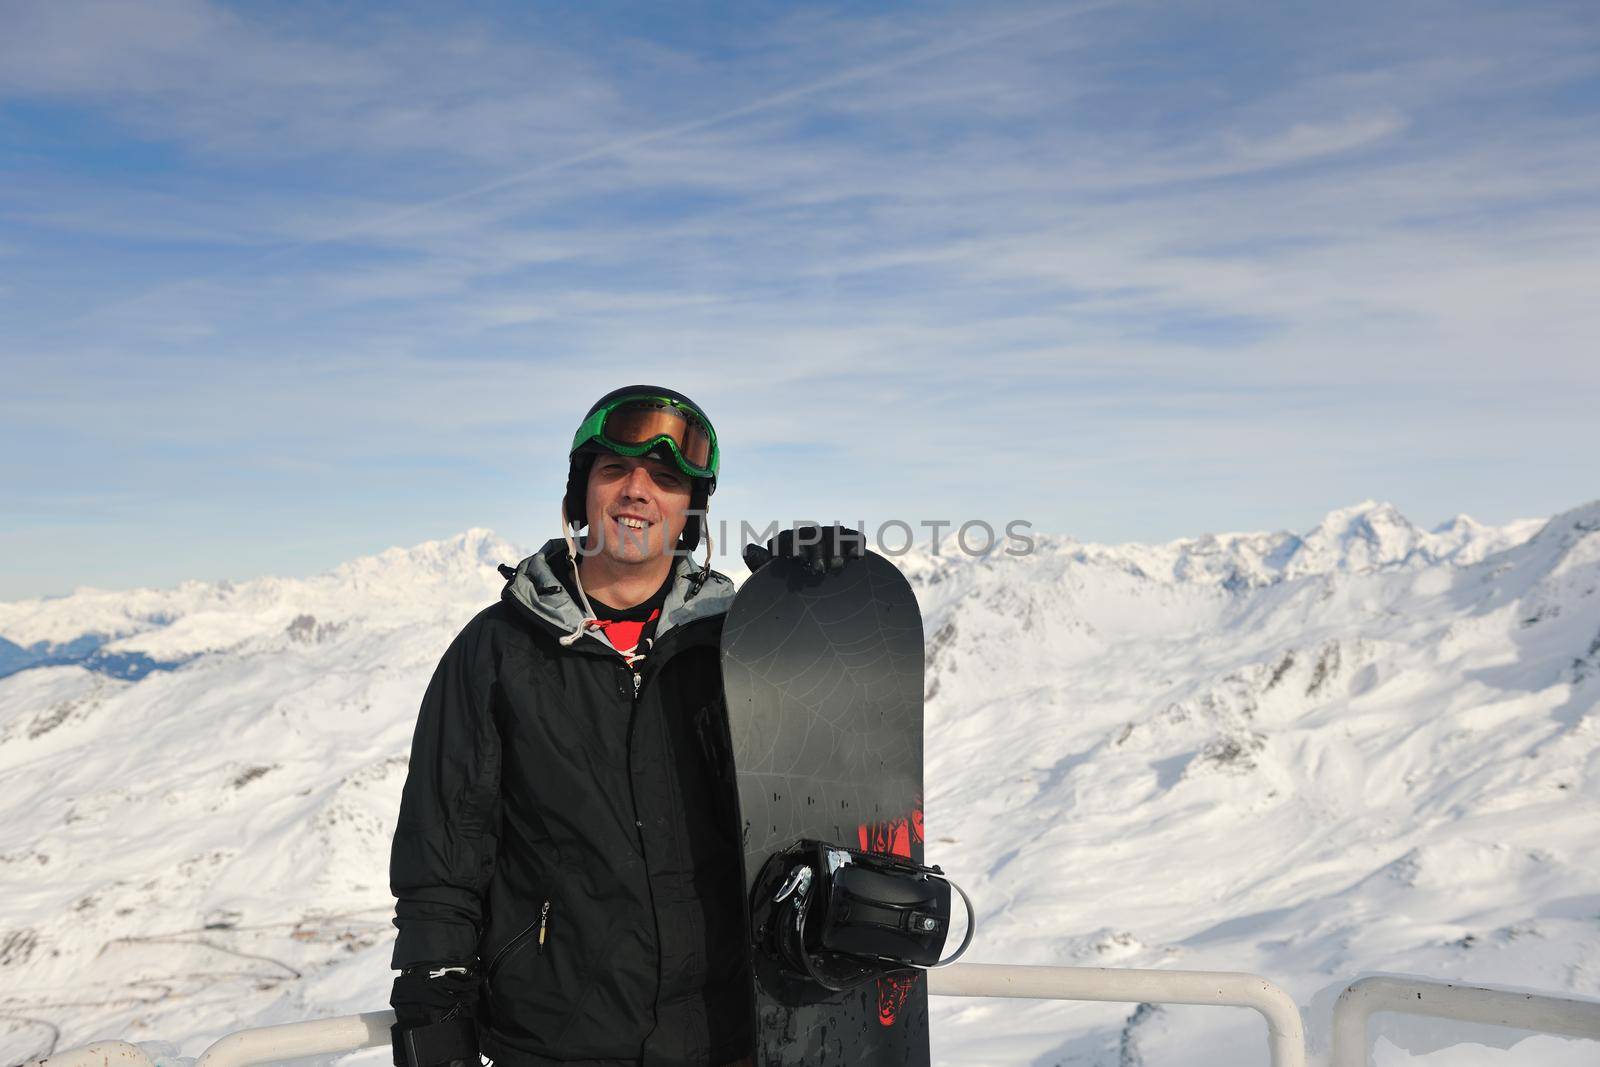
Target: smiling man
[{"x": 567, "y": 858}]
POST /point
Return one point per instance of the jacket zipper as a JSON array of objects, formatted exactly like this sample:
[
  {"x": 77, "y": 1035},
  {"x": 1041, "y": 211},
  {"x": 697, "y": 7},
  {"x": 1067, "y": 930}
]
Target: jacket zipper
[
  {"x": 633, "y": 799},
  {"x": 540, "y": 924}
]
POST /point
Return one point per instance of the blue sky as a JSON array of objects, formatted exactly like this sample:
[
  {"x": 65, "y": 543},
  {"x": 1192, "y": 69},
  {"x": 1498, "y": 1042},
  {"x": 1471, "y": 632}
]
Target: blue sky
[{"x": 281, "y": 284}]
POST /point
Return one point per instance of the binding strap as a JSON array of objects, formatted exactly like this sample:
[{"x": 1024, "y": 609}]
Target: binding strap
[{"x": 843, "y": 917}]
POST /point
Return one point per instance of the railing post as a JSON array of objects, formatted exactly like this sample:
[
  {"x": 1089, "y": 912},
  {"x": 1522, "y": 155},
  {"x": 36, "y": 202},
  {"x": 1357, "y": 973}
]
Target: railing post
[
  {"x": 1445, "y": 1000},
  {"x": 1286, "y": 1041}
]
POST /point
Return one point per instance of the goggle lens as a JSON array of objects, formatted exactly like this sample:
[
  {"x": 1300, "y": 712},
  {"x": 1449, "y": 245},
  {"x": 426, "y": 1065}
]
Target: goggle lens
[{"x": 635, "y": 424}]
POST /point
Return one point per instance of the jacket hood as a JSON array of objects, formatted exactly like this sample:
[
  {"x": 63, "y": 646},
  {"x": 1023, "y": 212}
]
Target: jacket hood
[{"x": 534, "y": 584}]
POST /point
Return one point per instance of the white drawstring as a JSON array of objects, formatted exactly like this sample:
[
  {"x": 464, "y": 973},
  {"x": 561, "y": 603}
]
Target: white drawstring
[
  {"x": 588, "y": 622},
  {"x": 632, "y": 656}
]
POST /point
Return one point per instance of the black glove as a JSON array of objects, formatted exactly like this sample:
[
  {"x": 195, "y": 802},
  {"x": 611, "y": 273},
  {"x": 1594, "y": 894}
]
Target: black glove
[
  {"x": 821, "y": 548},
  {"x": 435, "y": 1016}
]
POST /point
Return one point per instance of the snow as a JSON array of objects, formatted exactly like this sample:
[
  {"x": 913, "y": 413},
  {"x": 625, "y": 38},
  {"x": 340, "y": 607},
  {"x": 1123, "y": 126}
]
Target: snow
[{"x": 1365, "y": 748}]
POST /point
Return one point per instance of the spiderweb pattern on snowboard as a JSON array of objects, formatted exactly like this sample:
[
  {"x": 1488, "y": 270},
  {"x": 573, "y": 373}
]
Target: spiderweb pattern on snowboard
[{"x": 824, "y": 685}]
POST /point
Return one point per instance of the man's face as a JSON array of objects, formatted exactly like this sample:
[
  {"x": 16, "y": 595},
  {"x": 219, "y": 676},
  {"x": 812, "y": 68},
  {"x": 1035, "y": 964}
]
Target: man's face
[{"x": 637, "y": 508}]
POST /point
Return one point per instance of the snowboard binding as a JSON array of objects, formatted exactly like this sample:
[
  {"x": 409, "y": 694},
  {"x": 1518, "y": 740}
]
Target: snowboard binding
[{"x": 843, "y": 917}]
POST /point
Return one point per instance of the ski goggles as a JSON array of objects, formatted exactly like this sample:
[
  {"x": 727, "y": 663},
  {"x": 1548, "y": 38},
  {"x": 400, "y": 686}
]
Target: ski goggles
[{"x": 632, "y": 426}]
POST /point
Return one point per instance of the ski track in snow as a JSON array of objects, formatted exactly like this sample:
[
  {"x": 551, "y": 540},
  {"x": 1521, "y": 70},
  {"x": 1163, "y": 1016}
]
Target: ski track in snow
[{"x": 1367, "y": 748}]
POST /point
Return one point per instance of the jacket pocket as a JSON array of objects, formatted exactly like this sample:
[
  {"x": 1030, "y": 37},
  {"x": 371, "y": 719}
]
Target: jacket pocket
[
  {"x": 537, "y": 980},
  {"x": 536, "y": 933}
]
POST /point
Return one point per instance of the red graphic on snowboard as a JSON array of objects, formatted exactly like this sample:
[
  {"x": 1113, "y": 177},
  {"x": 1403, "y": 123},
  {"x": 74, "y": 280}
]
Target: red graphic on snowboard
[{"x": 893, "y": 838}]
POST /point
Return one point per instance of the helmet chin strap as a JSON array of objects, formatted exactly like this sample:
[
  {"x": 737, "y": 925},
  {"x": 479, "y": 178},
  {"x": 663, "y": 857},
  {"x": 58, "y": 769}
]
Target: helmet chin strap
[{"x": 705, "y": 532}]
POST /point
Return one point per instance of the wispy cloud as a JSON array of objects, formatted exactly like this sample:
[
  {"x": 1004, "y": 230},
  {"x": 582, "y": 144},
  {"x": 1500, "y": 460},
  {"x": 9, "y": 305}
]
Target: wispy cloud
[
  {"x": 1162, "y": 239},
  {"x": 246, "y": 85}
]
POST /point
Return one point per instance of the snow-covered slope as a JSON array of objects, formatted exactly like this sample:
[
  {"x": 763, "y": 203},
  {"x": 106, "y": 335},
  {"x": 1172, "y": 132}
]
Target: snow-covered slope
[
  {"x": 1370, "y": 753},
  {"x": 1366, "y": 747}
]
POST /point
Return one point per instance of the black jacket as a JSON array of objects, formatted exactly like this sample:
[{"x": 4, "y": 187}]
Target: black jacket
[{"x": 570, "y": 824}]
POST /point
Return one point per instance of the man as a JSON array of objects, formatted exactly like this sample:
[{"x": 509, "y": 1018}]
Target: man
[{"x": 567, "y": 859}]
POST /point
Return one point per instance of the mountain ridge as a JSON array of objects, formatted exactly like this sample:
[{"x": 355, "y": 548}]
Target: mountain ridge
[
  {"x": 111, "y": 623},
  {"x": 1394, "y": 766}
]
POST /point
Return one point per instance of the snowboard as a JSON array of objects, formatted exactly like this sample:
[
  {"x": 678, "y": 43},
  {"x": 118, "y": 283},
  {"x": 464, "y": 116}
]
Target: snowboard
[{"x": 823, "y": 677}]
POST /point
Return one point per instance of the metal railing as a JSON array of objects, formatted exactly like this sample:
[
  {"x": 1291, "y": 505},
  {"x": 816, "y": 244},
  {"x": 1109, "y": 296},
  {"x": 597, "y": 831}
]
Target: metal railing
[
  {"x": 1286, "y": 1040},
  {"x": 98, "y": 1054},
  {"x": 348, "y": 1033},
  {"x": 1285, "y": 1031},
  {"x": 244, "y": 1048},
  {"x": 1445, "y": 1000}
]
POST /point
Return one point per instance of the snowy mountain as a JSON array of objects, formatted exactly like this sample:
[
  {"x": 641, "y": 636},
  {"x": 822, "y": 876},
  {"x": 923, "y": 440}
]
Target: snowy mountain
[
  {"x": 1364, "y": 747},
  {"x": 163, "y": 628}
]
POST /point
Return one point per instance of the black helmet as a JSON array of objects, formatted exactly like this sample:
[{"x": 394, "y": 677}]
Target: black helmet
[{"x": 694, "y": 451}]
